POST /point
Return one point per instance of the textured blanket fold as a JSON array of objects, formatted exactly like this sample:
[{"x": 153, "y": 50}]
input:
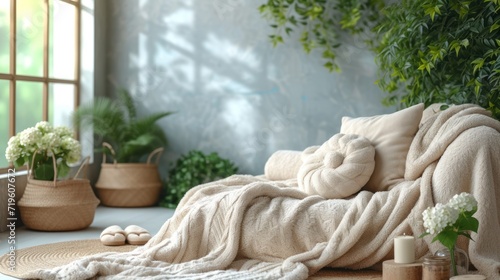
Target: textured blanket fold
[
  {"x": 248, "y": 227},
  {"x": 462, "y": 143}
]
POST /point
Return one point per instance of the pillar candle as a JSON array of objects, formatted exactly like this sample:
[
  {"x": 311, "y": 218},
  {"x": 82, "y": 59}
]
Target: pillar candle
[{"x": 404, "y": 249}]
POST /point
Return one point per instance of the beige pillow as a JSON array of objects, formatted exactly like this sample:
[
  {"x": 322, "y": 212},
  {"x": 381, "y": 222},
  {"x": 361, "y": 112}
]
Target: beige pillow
[{"x": 391, "y": 135}]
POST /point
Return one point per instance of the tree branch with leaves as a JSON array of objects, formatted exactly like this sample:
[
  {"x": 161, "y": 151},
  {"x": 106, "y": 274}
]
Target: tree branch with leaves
[{"x": 320, "y": 23}]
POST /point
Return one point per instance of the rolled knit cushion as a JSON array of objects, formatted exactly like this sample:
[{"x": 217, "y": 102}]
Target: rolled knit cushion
[{"x": 338, "y": 168}]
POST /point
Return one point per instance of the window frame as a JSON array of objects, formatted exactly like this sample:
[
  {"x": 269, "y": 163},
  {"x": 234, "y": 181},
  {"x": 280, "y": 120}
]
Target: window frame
[{"x": 12, "y": 77}]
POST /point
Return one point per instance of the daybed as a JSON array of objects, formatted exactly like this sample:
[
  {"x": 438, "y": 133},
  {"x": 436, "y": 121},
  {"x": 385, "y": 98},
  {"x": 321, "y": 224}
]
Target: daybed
[{"x": 329, "y": 205}]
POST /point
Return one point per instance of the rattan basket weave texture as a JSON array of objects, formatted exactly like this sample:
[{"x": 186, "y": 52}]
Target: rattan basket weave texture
[
  {"x": 129, "y": 184},
  {"x": 59, "y": 205}
]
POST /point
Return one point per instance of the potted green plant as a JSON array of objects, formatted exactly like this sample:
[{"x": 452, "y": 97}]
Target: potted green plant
[
  {"x": 51, "y": 201},
  {"x": 128, "y": 139},
  {"x": 193, "y": 169}
]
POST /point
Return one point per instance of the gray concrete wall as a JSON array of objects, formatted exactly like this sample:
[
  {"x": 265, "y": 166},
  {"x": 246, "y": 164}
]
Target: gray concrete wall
[{"x": 233, "y": 93}]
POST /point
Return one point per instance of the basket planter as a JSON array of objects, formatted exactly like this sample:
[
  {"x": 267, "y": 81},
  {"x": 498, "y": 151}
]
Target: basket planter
[
  {"x": 129, "y": 184},
  {"x": 63, "y": 205}
]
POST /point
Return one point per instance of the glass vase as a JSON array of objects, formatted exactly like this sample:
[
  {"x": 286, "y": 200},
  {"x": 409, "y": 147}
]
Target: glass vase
[{"x": 460, "y": 264}]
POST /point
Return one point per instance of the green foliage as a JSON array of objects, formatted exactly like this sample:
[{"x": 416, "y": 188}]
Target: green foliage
[
  {"x": 428, "y": 51},
  {"x": 194, "y": 169},
  {"x": 320, "y": 22},
  {"x": 116, "y": 122},
  {"x": 441, "y": 51}
]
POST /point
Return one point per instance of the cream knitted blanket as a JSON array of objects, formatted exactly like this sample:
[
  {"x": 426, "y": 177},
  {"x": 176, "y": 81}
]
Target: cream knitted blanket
[{"x": 247, "y": 227}]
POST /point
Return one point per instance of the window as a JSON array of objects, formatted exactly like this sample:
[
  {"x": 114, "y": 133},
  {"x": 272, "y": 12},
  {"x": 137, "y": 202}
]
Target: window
[{"x": 41, "y": 63}]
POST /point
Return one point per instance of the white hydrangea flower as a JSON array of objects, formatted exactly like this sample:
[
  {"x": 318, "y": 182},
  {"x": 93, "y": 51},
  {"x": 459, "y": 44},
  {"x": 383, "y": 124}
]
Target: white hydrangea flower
[
  {"x": 47, "y": 140},
  {"x": 463, "y": 202},
  {"x": 43, "y": 127},
  {"x": 29, "y": 137},
  {"x": 13, "y": 151},
  {"x": 74, "y": 149},
  {"x": 63, "y": 131},
  {"x": 439, "y": 217}
]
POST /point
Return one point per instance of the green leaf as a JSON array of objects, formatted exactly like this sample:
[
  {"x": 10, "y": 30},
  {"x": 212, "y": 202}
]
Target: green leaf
[
  {"x": 432, "y": 10},
  {"x": 466, "y": 222},
  {"x": 276, "y": 39},
  {"x": 425, "y": 65},
  {"x": 328, "y": 54},
  {"x": 467, "y": 235},
  {"x": 262, "y": 9},
  {"x": 495, "y": 26},
  {"x": 447, "y": 237},
  {"x": 44, "y": 171},
  {"x": 62, "y": 169},
  {"x": 329, "y": 65},
  {"x": 19, "y": 162},
  {"x": 477, "y": 86},
  {"x": 455, "y": 45},
  {"x": 140, "y": 145},
  {"x": 478, "y": 64},
  {"x": 464, "y": 43},
  {"x": 126, "y": 99}
]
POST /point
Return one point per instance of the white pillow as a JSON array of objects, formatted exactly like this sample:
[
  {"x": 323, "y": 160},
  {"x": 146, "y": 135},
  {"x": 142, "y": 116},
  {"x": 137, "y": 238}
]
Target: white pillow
[{"x": 391, "y": 135}]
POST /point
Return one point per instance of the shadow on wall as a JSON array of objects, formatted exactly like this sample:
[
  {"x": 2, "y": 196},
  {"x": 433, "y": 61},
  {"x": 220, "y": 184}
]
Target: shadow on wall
[{"x": 212, "y": 63}]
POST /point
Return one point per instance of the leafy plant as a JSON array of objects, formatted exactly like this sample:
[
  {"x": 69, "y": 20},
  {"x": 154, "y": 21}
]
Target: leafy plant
[
  {"x": 428, "y": 51},
  {"x": 320, "y": 22},
  {"x": 194, "y": 169},
  {"x": 441, "y": 51},
  {"x": 117, "y": 123}
]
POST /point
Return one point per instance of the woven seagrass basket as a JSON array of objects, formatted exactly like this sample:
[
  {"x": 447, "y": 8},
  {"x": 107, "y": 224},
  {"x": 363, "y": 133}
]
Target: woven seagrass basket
[
  {"x": 59, "y": 205},
  {"x": 129, "y": 184}
]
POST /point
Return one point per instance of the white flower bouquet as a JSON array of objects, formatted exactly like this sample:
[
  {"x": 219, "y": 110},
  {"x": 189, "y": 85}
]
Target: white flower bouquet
[
  {"x": 450, "y": 220},
  {"x": 42, "y": 142}
]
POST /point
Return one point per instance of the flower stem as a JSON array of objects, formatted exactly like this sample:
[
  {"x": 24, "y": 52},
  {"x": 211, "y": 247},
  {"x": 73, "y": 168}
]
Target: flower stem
[{"x": 452, "y": 257}]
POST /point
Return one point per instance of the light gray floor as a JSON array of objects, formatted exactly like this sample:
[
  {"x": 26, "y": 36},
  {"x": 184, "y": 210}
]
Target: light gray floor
[{"x": 150, "y": 218}]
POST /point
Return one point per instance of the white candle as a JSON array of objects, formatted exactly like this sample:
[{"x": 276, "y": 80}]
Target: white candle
[{"x": 404, "y": 249}]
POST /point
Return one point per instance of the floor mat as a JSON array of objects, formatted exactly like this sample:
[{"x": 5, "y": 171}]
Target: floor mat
[{"x": 56, "y": 254}]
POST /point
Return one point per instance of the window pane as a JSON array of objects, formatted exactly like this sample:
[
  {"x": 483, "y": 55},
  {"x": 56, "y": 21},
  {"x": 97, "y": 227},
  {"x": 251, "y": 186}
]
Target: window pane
[
  {"x": 30, "y": 29},
  {"x": 4, "y": 36},
  {"x": 4, "y": 120},
  {"x": 29, "y": 100},
  {"x": 61, "y": 102},
  {"x": 62, "y": 40}
]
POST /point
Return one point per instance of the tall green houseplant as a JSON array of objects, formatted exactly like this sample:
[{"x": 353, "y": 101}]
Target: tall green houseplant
[{"x": 116, "y": 122}]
